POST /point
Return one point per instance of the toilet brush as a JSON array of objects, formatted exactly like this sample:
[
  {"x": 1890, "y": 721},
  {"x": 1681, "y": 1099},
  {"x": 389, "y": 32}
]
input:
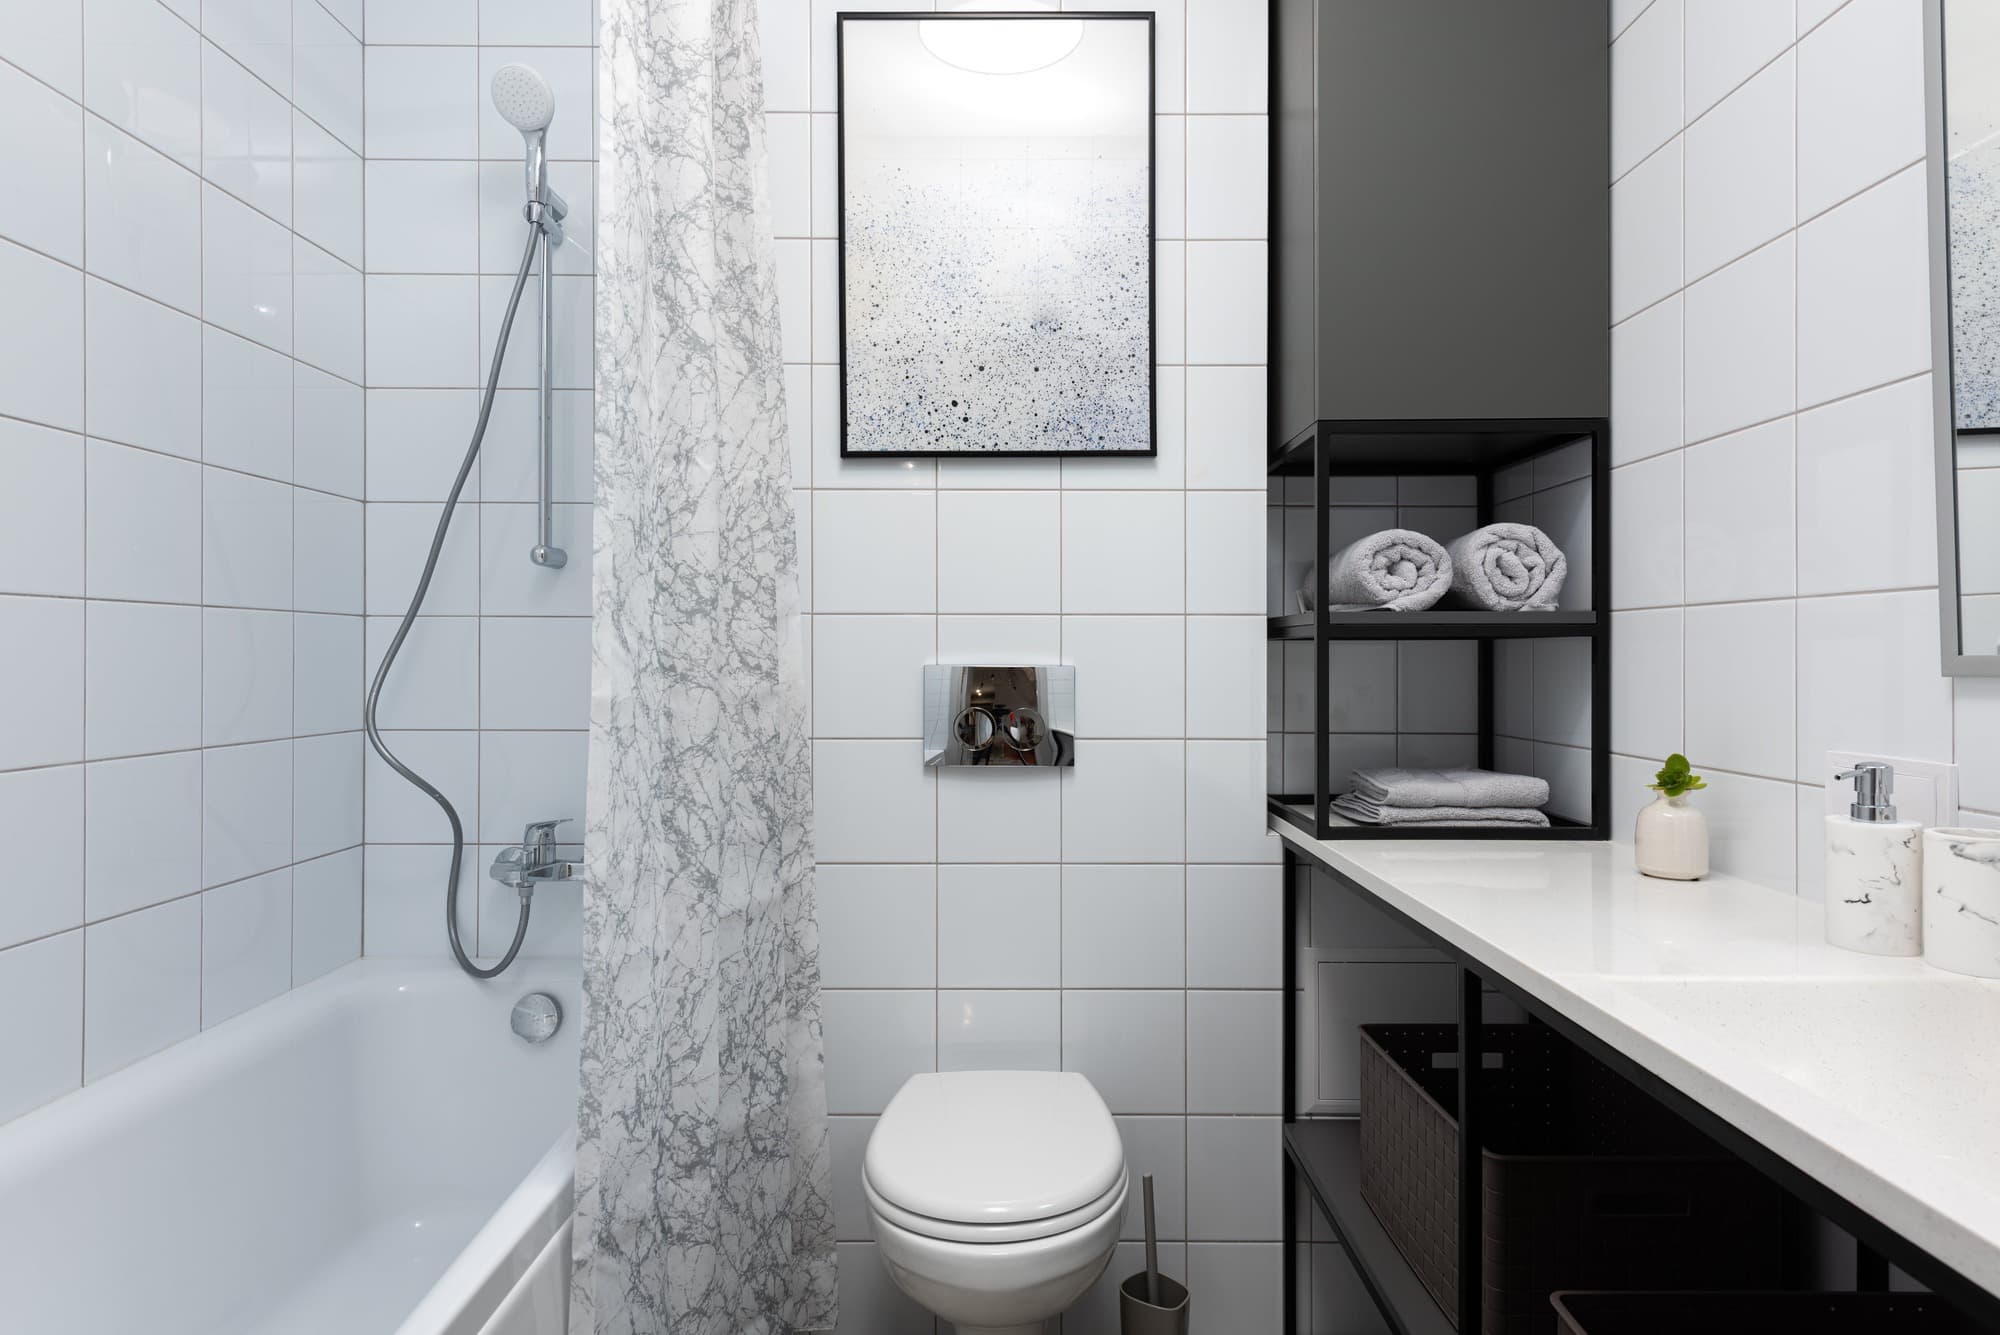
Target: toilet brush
[
  {"x": 1152, "y": 1244},
  {"x": 1149, "y": 1303}
]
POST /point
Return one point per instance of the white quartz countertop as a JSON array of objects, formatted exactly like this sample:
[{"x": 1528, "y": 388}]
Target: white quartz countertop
[{"x": 1878, "y": 1077}]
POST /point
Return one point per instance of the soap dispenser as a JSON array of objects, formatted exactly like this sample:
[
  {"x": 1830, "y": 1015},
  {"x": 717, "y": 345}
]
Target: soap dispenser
[{"x": 1874, "y": 870}]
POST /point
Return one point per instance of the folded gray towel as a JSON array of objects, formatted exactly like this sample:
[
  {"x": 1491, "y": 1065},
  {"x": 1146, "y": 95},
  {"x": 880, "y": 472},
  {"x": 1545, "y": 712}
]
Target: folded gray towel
[
  {"x": 1371, "y": 813},
  {"x": 1507, "y": 568},
  {"x": 1393, "y": 786},
  {"x": 1396, "y": 570}
]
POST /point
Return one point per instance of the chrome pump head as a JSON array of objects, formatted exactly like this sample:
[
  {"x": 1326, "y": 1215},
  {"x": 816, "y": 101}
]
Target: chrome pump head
[{"x": 525, "y": 101}]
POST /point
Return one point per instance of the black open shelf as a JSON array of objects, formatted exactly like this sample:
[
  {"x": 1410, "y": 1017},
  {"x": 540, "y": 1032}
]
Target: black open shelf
[
  {"x": 1327, "y": 1155},
  {"x": 1330, "y": 455},
  {"x": 1436, "y": 625}
]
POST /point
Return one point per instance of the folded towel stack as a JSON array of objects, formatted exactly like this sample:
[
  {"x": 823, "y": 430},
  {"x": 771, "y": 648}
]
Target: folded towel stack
[
  {"x": 1396, "y": 570},
  {"x": 1507, "y": 568},
  {"x": 1458, "y": 797}
]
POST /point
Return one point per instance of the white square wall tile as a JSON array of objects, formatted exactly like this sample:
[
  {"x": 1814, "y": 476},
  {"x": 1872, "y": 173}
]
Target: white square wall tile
[
  {"x": 1226, "y": 300},
  {"x": 423, "y": 217},
  {"x": 1727, "y": 42},
  {"x": 142, "y": 686},
  {"x": 1228, "y": 164},
  {"x": 1235, "y": 926},
  {"x": 327, "y": 60},
  {"x": 246, "y": 802},
  {"x": 1228, "y": 66},
  {"x": 1226, "y": 815},
  {"x": 1868, "y": 680},
  {"x": 246, "y": 139},
  {"x": 326, "y": 914},
  {"x": 401, "y": 891},
  {"x": 439, "y": 23},
  {"x": 43, "y": 978},
  {"x": 999, "y": 814},
  {"x": 1155, "y": 1147},
  {"x": 874, "y": 551},
  {"x": 246, "y": 945},
  {"x": 398, "y": 536},
  {"x": 327, "y": 190},
  {"x": 1124, "y": 551},
  {"x": 1244, "y": 1279},
  {"x": 868, "y": 673},
  {"x": 47, "y": 890},
  {"x": 1739, "y": 170},
  {"x": 1233, "y": 1178},
  {"x": 41, "y": 360},
  {"x": 1647, "y": 533},
  {"x": 1740, "y": 346},
  {"x": 1646, "y": 383},
  {"x": 41, "y": 694},
  {"x": 535, "y": 22},
  {"x": 246, "y": 405},
  {"x": 46, "y": 166},
  {"x": 246, "y": 271},
  {"x": 46, "y": 40},
  {"x": 1646, "y": 233},
  {"x": 1646, "y": 683},
  {"x": 877, "y": 925},
  {"x": 1739, "y": 505},
  {"x": 874, "y": 1042},
  {"x": 397, "y": 812},
  {"x": 1225, "y": 426},
  {"x": 327, "y": 793},
  {"x": 999, "y": 1031},
  {"x": 1226, "y": 676},
  {"x": 326, "y": 548},
  {"x": 1861, "y": 100},
  {"x": 422, "y": 102},
  {"x": 255, "y": 32},
  {"x": 326, "y": 432},
  {"x": 1646, "y": 85},
  {"x": 326, "y": 673},
  {"x": 1225, "y": 552},
  {"x": 874, "y": 802},
  {"x": 1130, "y": 677},
  {"x": 1864, "y": 293},
  {"x": 534, "y": 672},
  {"x": 42, "y": 550},
  {"x": 141, "y": 218},
  {"x": 1124, "y": 926},
  {"x": 142, "y": 984},
  {"x": 788, "y": 143},
  {"x": 999, "y": 926},
  {"x": 142, "y": 72},
  {"x": 246, "y": 676},
  {"x": 1865, "y": 466},
  {"x": 246, "y": 558},
  {"x": 1130, "y": 1045},
  {"x": 422, "y": 331},
  {"x": 1741, "y": 691},
  {"x": 328, "y": 326},
  {"x": 532, "y": 776},
  {"x": 142, "y": 364},
  {"x": 974, "y": 528},
  {"x": 1119, "y": 803},
  {"x": 1752, "y": 829}
]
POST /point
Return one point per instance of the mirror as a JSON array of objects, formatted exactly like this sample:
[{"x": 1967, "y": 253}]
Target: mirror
[{"x": 1963, "y": 54}]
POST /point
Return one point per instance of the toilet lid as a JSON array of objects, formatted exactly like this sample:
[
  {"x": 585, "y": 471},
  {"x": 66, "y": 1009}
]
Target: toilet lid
[{"x": 995, "y": 1147}]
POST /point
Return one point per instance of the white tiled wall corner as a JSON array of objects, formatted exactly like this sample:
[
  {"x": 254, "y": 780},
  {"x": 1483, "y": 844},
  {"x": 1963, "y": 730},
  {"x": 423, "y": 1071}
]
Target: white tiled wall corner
[
  {"x": 1769, "y": 403},
  {"x": 181, "y": 414},
  {"x": 1049, "y": 918}
]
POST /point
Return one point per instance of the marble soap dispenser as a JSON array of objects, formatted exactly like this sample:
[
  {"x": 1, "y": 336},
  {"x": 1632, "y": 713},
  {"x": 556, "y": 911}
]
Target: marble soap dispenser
[{"x": 1874, "y": 870}]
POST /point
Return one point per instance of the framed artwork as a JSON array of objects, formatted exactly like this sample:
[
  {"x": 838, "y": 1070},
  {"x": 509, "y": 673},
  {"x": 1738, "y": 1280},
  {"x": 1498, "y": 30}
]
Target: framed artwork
[{"x": 996, "y": 234}]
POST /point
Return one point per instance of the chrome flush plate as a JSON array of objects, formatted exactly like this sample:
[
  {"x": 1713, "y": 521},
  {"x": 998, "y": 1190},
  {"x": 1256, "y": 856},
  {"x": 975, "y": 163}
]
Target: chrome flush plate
[{"x": 1017, "y": 717}]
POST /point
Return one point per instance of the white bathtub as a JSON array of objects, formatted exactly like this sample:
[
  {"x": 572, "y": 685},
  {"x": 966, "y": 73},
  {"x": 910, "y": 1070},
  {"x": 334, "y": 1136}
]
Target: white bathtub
[{"x": 374, "y": 1152}]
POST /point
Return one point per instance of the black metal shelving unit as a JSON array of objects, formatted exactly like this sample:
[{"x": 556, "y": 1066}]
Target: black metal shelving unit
[{"x": 1333, "y": 453}]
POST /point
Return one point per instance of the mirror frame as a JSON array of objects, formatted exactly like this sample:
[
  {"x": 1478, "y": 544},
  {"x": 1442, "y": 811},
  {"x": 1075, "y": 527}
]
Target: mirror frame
[{"x": 1955, "y": 662}]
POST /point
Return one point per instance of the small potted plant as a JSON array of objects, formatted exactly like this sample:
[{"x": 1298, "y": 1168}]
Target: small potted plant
[{"x": 1671, "y": 840}]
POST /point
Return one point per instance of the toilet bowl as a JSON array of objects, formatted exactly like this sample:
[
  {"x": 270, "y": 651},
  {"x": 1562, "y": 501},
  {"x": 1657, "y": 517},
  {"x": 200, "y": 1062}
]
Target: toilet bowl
[{"x": 995, "y": 1196}]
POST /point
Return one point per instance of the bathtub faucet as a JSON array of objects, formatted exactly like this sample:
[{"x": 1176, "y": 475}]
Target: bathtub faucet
[{"x": 534, "y": 860}]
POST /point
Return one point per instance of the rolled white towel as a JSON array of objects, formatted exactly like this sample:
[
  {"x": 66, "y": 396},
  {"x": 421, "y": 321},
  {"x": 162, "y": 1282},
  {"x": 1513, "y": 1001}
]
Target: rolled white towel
[
  {"x": 1507, "y": 568},
  {"x": 1395, "y": 569},
  {"x": 1401, "y": 787}
]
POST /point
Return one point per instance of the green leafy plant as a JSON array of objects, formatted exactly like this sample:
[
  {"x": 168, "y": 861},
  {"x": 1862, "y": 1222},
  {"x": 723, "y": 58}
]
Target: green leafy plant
[{"x": 1676, "y": 778}]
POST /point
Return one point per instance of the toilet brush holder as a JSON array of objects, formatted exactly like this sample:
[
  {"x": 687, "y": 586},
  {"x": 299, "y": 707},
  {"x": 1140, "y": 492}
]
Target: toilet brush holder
[{"x": 1137, "y": 1315}]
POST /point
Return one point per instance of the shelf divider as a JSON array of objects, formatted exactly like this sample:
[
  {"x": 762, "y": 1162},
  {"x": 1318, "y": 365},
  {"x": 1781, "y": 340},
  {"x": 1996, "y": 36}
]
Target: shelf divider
[{"x": 1327, "y": 1154}]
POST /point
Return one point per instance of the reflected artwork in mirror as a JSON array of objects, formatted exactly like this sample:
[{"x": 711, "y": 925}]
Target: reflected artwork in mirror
[
  {"x": 1963, "y": 54},
  {"x": 996, "y": 234}
]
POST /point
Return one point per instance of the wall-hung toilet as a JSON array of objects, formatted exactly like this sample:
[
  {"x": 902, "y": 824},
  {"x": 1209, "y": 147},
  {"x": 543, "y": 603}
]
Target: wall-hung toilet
[{"x": 995, "y": 1196}]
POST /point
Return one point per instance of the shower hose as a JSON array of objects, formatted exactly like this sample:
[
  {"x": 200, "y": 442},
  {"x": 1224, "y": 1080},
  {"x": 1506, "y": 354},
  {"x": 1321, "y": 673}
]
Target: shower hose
[{"x": 403, "y": 633}]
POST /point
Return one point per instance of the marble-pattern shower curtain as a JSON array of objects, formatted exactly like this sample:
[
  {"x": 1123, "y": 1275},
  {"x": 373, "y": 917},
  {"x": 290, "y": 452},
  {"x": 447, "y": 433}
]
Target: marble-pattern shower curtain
[{"x": 703, "y": 1204}]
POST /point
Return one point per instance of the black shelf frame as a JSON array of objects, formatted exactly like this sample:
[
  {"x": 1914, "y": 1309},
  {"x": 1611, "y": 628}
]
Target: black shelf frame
[
  {"x": 1323, "y": 1155},
  {"x": 1331, "y": 450}
]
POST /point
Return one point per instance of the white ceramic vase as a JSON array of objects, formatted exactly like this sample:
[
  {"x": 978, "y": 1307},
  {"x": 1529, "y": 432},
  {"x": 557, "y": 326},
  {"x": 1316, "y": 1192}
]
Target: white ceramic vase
[
  {"x": 1962, "y": 901},
  {"x": 1671, "y": 840}
]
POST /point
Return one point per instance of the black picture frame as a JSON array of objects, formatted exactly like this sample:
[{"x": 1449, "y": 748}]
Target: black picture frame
[{"x": 1152, "y": 222}]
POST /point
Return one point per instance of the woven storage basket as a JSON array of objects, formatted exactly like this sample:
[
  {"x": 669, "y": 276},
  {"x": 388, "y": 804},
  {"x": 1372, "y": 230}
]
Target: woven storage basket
[
  {"x": 1758, "y": 1314},
  {"x": 1588, "y": 1183}
]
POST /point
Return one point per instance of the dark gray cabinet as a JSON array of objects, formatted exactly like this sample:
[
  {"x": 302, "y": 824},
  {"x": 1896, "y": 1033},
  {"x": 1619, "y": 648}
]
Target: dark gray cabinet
[{"x": 1441, "y": 232}]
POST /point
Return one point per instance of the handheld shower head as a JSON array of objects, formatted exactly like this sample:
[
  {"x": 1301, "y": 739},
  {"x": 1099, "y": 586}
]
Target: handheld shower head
[{"x": 523, "y": 98}]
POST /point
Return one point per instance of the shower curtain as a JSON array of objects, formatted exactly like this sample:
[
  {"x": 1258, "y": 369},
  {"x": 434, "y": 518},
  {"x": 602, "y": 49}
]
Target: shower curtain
[{"x": 702, "y": 1198}]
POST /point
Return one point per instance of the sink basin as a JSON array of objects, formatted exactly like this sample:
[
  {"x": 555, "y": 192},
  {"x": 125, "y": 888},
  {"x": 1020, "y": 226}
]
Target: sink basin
[{"x": 1917, "y": 1055}]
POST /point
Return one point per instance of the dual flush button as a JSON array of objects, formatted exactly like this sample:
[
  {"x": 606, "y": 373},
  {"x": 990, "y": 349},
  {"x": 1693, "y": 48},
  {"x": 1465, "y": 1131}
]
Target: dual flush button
[{"x": 999, "y": 716}]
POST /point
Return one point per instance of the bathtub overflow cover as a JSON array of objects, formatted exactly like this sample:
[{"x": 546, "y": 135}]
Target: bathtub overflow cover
[{"x": 536, "y": 1017}]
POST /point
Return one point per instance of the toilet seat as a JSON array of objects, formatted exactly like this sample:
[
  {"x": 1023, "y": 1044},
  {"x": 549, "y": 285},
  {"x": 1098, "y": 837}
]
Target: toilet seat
[{"x": 995, "y": 1156}]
